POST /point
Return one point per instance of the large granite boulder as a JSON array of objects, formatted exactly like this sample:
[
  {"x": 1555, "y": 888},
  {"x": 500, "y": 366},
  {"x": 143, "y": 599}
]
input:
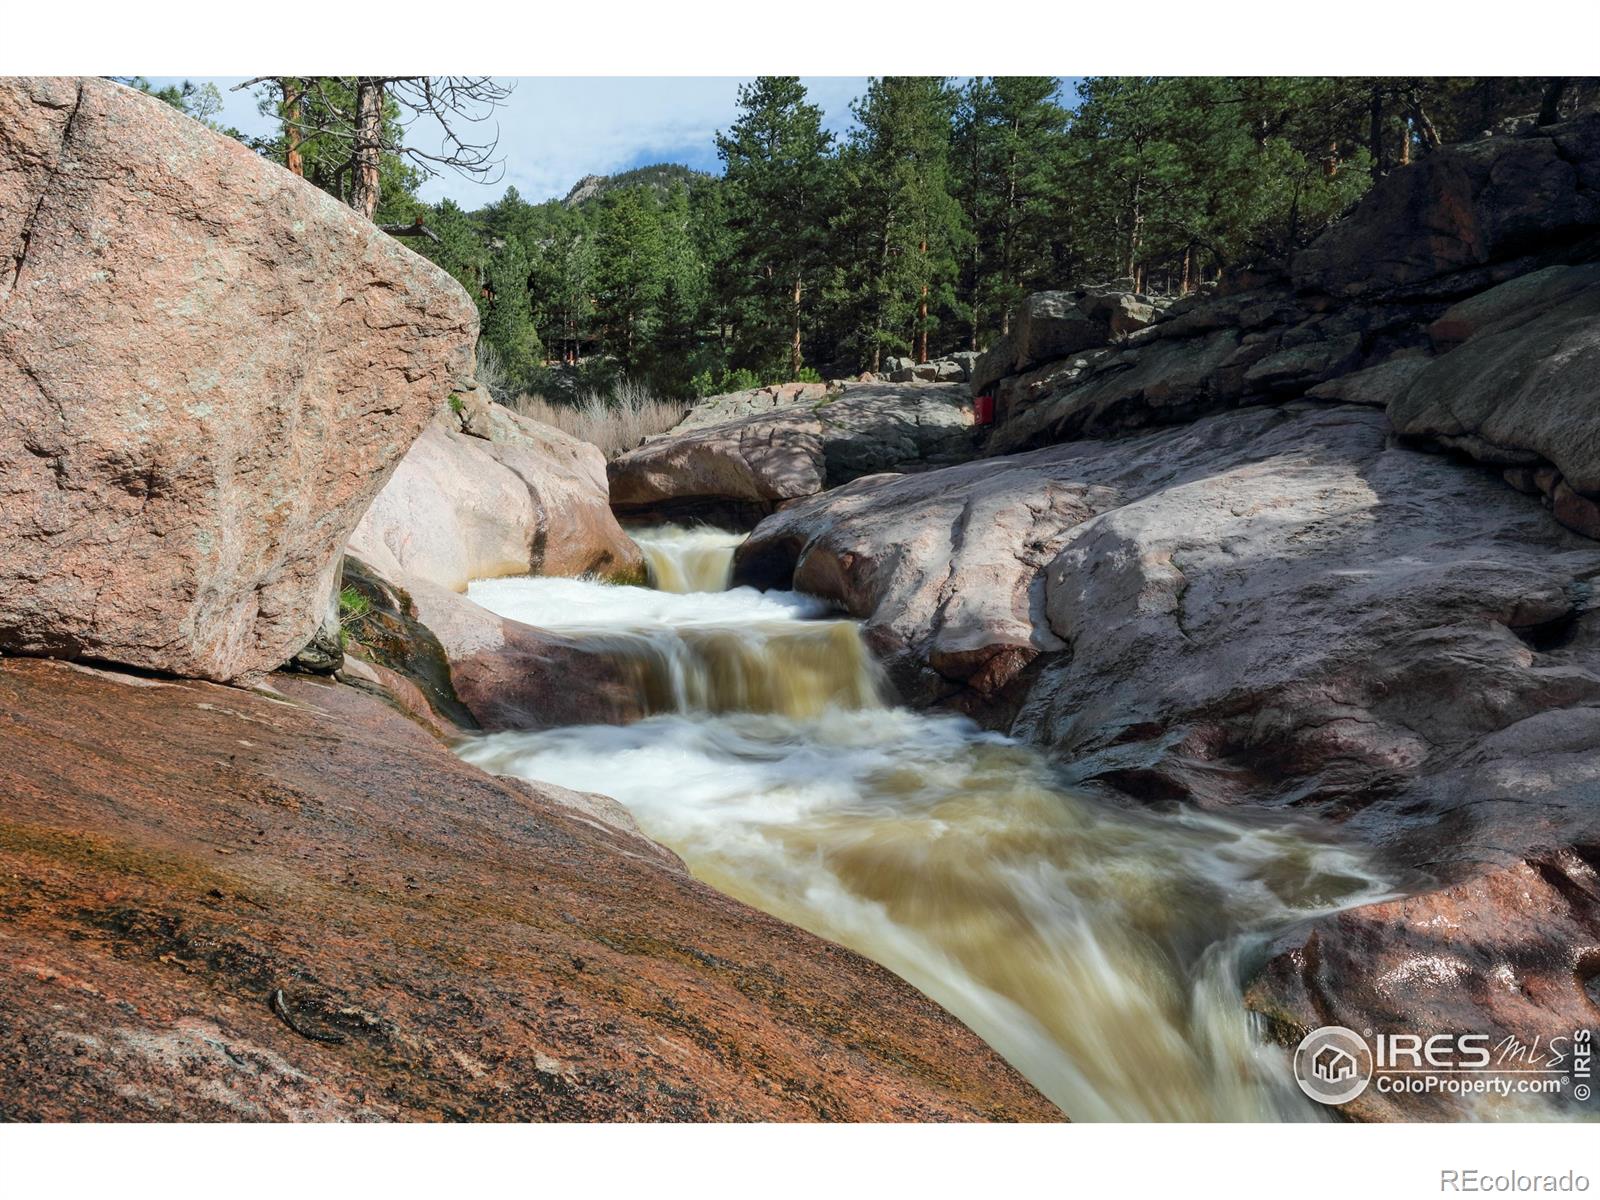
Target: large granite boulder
[
  {"x": 523, "y": 499},
  {"x": 1460, "y": 208},
  {"x": 1047, "y": 326},
  {"x": 210, "y": 369},
  {"x": 230, "y": 906},
  {"x": 759, "y": 462},
  {"x": 755, "y": 465},
  {"x": 486, "y": 493},
  {"x": 1522, "y": 392},
  {"x": 468, "y": 668}
]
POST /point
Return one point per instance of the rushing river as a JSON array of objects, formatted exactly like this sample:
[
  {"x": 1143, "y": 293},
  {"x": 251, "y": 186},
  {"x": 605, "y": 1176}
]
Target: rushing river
[{"x": 1098, "y": 949}]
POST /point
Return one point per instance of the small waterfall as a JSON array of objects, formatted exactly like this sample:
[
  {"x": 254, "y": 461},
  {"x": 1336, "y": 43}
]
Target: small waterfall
[
  {"x": 705, "y": 651},
  {"x": 684, "y": 560},
  {"x": 1099, "y": 950}
]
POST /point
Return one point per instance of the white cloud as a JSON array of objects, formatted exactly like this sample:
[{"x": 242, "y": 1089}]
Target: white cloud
[{"x": 554, "y": 131}]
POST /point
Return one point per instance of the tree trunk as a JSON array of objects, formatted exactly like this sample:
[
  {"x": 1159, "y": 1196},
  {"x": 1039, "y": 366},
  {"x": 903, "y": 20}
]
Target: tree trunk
[
  {"x": 291, "y": 127},
  {"x": 1375, "y": 132},
  {"x": 794, "y": 345},
  {"x": 364, "y": 194},
  {"x": 922, "y": 310},
  {"x": 1550, "y": 102},
  {"x": 1183, "y": 283},
  {"x": 1008, "y": 229},
  {"x": 975, "y": 180},
  {"x": 1405, "y": 144},
  {"x": 1426, "y": 132},
  {"x": 1135, "y": 220}
]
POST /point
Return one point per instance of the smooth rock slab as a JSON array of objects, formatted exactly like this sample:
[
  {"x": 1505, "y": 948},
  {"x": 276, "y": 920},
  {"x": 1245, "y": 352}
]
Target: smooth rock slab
[
  {"x": 209, "y": 368},
  {"x": 480, "y": 948}
]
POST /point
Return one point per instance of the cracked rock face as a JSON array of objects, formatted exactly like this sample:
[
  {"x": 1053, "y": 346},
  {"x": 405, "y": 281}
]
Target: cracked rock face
[
  {"x": 210, "y": 368},
  {"x": 1522, "y": 388},
  {"x": 1463, "y": 207}
]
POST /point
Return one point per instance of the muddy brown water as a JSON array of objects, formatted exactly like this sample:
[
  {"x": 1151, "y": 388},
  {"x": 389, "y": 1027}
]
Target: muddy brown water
[{"x": 1100, "y": 950}]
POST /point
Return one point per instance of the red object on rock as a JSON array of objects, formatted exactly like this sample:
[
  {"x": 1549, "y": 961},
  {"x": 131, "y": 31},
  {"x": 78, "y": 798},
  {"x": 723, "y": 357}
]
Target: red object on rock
[{"x": 983, "y": 410}]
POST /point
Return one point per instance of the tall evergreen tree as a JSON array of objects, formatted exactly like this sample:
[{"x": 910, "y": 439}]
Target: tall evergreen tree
[
  {"x": 1008, "y": 134},
  {"x": 631, "y": 272},
  {"x": 508, "y": 317},
  {"x": 899, "y": 182},
  {"x": 775, "y": 160},
  {"x": 460, "y": 249},
  {"x": 672, "y": 358}
]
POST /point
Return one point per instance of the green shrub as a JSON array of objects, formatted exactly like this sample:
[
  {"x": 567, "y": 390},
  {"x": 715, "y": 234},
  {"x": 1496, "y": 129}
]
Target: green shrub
[{"x": 353, "y": 607}]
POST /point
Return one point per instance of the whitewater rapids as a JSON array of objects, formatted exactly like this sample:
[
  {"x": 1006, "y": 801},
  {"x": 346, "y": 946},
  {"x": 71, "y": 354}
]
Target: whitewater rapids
[{"x": 1098, "y": 949}]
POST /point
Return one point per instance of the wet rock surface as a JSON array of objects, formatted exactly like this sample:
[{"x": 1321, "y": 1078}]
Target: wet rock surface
[
  {"x": 1284, "y": 607},
  {"x": 210, "y": 369},
  {"x": 453, "y": 662},
  {"x": 224, "y": 905},
  {"x": 1513, "y": 954}
]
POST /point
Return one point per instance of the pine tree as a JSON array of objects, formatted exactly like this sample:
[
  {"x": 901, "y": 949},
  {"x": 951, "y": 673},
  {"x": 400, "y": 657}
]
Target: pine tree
[
  {"x": 631, "y": 271},
  {"x": 775, "y": 157},
  {"x": 459, "y": 249},
  {"x": 1008, "y": 134},
  {"x": 671, "y": 360},
  {"x": 508, "y": 319},
  {"x": 898, "y": 180}
]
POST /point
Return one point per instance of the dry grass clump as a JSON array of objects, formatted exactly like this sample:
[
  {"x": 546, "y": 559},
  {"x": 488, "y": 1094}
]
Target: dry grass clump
[{"x": 616, "y": 423}]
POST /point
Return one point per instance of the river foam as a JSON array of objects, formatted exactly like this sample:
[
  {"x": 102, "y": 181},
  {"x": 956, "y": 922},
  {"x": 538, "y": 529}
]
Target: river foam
[{"x": 1098, "y": 949}]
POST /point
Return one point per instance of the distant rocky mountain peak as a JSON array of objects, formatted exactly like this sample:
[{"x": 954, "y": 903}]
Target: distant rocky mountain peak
[{"x": 658, "y": 177}]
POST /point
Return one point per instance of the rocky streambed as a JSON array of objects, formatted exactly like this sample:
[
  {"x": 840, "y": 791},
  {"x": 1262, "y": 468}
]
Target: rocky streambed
[
  {"x": 1242, "y": 677},
  {"x": 1098, "y": 948},
  {"x": 230, "y": 891}
]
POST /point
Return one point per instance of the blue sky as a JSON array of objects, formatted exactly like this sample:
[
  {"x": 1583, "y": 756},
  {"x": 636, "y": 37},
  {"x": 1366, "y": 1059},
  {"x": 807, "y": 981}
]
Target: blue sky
[{"x": 554, "y": 131}]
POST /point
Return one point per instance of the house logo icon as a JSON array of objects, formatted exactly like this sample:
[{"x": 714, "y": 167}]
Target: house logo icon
[{"x": 1333, "y": 1064}]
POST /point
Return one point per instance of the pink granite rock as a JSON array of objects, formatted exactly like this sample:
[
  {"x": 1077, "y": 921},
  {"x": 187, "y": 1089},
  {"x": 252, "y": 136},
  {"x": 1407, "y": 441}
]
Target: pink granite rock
[{"x": 209, "y": 368}]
